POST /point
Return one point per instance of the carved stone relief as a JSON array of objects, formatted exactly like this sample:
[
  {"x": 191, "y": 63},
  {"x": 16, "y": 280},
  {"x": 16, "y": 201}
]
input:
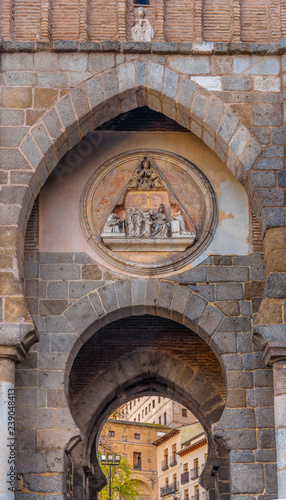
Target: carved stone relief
[
  {"x": 148, "y": 212},
  {"x": 142, "y": 30},
  {"x": 142, "y": 224}
]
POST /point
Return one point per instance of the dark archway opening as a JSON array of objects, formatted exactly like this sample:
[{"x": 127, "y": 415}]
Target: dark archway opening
[{"x": 140, "y": 356}]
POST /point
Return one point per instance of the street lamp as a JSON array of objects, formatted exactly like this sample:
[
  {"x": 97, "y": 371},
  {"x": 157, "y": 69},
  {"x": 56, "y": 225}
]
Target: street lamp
[{"x": 110, "y": 459}]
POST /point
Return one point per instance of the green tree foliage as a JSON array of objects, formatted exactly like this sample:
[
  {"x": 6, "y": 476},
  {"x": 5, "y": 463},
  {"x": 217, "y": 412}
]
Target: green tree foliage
[{"x": 122, "y": 486}]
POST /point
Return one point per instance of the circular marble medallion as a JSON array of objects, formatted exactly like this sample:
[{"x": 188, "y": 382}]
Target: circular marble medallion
[{"x": 148, "y": 212}]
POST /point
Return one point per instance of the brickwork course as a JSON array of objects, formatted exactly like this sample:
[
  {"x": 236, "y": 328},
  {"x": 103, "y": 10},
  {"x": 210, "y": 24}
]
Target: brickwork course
[{"x": 86, "y": 340}]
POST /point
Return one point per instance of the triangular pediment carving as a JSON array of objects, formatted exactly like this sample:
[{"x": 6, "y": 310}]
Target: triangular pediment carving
[
  {"x": 146, "y": 176},
  {"x": 148, "y": 216}
]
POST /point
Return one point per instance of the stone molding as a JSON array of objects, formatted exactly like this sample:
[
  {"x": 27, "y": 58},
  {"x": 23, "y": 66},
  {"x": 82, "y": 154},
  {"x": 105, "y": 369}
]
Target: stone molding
[
  {"x": 274, "y": 352},
  {"x": 208, "y": 48}
]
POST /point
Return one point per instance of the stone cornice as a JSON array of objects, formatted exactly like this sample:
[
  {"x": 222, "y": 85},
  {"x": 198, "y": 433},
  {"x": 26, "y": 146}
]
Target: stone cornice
[
  {"x": 16, "y": 340},
  {"x": 275, "y": 352},
  {"x": 202, "y": 48}
]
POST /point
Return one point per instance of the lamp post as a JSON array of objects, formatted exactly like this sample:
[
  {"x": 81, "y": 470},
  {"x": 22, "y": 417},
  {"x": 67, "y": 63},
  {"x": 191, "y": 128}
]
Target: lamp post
[{"x": 110, "y": 459}]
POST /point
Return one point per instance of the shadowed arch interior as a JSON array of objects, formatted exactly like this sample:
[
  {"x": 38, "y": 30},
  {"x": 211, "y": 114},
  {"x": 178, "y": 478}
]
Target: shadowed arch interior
[{"x": 144, "y": 355}]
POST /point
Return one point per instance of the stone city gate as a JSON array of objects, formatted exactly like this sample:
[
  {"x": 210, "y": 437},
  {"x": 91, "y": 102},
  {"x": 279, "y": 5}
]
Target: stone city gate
[{"x": 77, "y": 305}]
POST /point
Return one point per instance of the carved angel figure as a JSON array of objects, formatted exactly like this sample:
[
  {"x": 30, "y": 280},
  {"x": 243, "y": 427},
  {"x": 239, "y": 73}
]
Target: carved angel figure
[{"x": 142, "y": 30}]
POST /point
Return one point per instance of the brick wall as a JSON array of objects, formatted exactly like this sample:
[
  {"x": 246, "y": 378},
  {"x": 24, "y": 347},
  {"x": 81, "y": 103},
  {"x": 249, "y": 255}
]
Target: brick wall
[{"x": 220, "y": 20}]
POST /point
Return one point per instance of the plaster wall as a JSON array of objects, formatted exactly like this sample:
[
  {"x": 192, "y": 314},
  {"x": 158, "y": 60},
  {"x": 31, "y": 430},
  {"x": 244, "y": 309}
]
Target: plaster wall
[{"x": 60, "y": 197}]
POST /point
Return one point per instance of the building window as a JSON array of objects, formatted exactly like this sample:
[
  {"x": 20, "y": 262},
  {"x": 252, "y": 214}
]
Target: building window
[
  {"x": 175, "y": 481},
  {"x": 165, "y": 418},
  {"x": 142, "y": 413},
  {"x": 195, "y": 470},
  {"x": 165, "y": 464},
  {"x": 167, "y": 482},
  {"x": 138, "y": 417},
  {"x": 141, "y": 2},
  {"x": 153, "y": 403},
  {"x": 184, "y": 412},
  {"x": 111, "y": 434},
  {"x": 134, "y": 419},
  {"x": 130, "y": 405},
  {"x": 186, "y": 495},
  {"x": 196, "y": 493},
  {"x": 185, "y": 467},
  {"x": 136, "y": 436},
  {"x": 137, "y": 462},
  {"x": 138, "y": 400},
  {"x": 159, "y": 400},
  {"x": 160, "y": 420},
  {"x": 173, "y": 460},
  {"x": 150, "y": 407},
  {"x": 146, "y": 410}
]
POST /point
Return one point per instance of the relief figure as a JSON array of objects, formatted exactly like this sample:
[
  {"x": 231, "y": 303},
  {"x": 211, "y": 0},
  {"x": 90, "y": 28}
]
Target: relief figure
[
  {"x": 179, "y": 225},
  {"x": 142, "y": 30},
  {"x": 161, "y": 223},
  {"x": 114, "y": 224},
  {"x": 134, "y": 221}
]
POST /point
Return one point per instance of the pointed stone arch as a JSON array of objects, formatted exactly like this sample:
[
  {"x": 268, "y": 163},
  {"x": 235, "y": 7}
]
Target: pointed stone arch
[
  {"x": 116, "y": 91},
  {"x": 130, "y": 85},
  {"x": 142, "y": 371}
]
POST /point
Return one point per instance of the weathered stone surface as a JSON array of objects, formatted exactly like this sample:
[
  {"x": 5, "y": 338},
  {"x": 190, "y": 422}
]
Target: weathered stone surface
[
  {"x": 80, "y": 314},
  {"x": 236, "y": 83},
  {"x": 57, "y": 272},
  {"x": 276, "y": 285},
  {"x": 91, "y": 272},
  {"x": 228, "y": 126},
  {"x": 228, "y": 274},
  {"x": 254, "y": 289},
  {"x": 247, "y": 478},
  {"x": 195, "y": 308},
  {"x": 138, "y": 292},
  {"x": 44, "y": 484},
  {"x": 78, "y": 289},
  {"x": 228, "y": 307},
  {"x": 190, "y": 65},
  {"x": 108, "y": 297},
  {"x": 229, "y": 291},
  {"x": 267, "y": 115},
  {"x": 200, "y": 106}
]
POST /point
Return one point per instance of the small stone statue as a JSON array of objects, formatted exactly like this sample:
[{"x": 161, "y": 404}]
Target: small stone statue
[
  {"x": 161, "y": 223},
  {"x": 145, "y": 177},
  {"x": 134, "y": 222},
  {"x": 142, "y": 30},
  {"x": 179, "y": 225},
  {"x": 148, "y": 226},
  {"x": 114, "y": 224}
]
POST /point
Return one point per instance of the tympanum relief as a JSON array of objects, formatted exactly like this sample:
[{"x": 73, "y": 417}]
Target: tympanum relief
[
  {"x": 151, "y": 229},
  {"x": 148, "y": 211}
]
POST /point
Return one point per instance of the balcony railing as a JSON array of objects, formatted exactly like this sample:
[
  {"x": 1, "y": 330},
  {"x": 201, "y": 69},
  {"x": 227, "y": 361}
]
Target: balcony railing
[
  {"x": 195, "y": 473},
  {"x": 196, "y": 497},
  {"x": 168, "y": 490},
  {"x": 185, "y": 477},
  {"x": 165, "y": 464},
  {"x": 173, "y": 460}
]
